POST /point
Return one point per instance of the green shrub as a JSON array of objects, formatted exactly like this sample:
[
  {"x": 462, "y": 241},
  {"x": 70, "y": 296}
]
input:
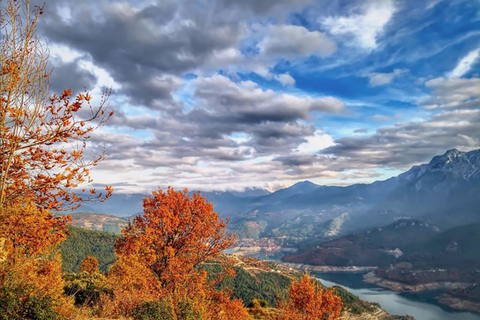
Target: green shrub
[
  {"x": 39, "y": 308},
  {"x": 258, "y": 303},
  {"x": 12, "y": 307},
  {"x": 185, "y": 311},
  {"x": 154, "y": 310},
  {"x": 86, "y": 288}
]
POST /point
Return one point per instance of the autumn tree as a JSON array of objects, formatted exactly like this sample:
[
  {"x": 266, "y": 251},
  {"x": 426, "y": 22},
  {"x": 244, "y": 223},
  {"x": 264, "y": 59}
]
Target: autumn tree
[
  {"x": 160, "y": 250},
  {"x": 31, "y": 231},
  {"x": 89, "y": 265},
  {"x": 309, "y": 301},
  {"x": 42, "y": 137},
  {"x": 175, "y": 233}
]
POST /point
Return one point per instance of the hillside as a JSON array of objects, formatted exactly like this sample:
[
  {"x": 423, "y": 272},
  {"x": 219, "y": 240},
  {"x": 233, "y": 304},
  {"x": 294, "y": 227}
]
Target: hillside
[
  {"x": 454, "y": 248},
  {"x": 377, "y": 247},
  {"x": 98, "y": 222},
  {"x": 82, "y": 243},
  {"x": 254, "y": 279}
]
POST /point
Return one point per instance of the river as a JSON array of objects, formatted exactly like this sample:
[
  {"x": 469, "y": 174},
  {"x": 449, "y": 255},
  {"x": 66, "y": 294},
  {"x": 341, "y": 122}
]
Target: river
[{"x": 422, "y": 306}]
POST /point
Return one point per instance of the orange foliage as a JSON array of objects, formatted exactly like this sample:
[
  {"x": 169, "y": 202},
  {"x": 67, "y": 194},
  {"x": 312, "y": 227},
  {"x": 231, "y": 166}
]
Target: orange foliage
[
  {"x": 133, "y": 283},
  {"x": 159, "y": 251},
  {"x": 42, "y": 139},
  {"x": 174, "y": 235},
  {"x": 308, "y": 301},
  {"x": 30, "y": 230},
  {"x": 90, "y": 265},
  {"x": 36, "y": 276}
]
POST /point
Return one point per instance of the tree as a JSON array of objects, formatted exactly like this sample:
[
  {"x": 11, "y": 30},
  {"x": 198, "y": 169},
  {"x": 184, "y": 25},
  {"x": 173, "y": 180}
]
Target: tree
[
  {"x": 89, "y": 265},
  {"x": 158, "y": 254},
  {"x": 42, "y": 143},
  {"x": 42, "y": 138},
  {"x": 31, "y": 231},
  {"x": 174, "y": 235},
  {"x": 309, "y": 301}
]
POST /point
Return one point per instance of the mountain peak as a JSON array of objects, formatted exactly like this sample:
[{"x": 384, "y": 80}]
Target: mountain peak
[
  {"x": 452, "y": 153},
  {"x": 304, "y": 183}
]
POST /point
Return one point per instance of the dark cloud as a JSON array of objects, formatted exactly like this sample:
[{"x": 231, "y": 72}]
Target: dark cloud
[
  {"x": 72, "y": 75},
  {"x": 143, "y": 49},
  {"x": 264, "y": 7}
]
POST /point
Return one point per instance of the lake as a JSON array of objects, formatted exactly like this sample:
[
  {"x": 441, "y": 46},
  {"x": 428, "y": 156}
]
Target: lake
[{"x": 422, "y": 306}]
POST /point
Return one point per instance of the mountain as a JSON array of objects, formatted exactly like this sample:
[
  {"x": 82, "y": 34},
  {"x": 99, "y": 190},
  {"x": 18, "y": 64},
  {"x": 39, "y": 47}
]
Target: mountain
[
  {"x": 98, "y": 222},
  {"x": 120, "y": 205},
  {"x": 443, "y": 192},
  {"x": 377, "y": 247}
]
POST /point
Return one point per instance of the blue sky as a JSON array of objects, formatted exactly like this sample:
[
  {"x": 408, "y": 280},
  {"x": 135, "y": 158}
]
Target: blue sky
[{"x": 218, "y": 95}]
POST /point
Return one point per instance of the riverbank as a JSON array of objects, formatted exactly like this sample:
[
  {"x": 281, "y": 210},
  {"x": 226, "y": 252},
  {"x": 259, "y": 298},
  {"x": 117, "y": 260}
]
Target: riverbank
[
  {"x": 446, "y": 299},
  {"x": 348, "y": 269},
  {"x": 457, "y": 303}
]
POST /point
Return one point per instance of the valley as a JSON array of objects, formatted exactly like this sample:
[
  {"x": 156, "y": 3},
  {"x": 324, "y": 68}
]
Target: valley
[{"x": 415, "y": 232}]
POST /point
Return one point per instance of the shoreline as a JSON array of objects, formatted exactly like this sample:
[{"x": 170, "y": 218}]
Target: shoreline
[
  {"x": 326, "y": 269},
  {"x": 370, "y": 277},
  {"x": 445, "y": 299}
]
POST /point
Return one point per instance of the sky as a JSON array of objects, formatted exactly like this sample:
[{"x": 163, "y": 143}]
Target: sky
[{"x": 235, "y": 94}]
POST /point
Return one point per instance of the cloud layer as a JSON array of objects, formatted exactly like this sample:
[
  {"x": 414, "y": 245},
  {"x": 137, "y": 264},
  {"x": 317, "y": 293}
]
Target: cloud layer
[{"x": 233, "y": 94}]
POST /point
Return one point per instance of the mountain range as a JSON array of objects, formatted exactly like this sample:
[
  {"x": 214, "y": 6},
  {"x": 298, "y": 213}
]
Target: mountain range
[{"x": 443, "y": 192}]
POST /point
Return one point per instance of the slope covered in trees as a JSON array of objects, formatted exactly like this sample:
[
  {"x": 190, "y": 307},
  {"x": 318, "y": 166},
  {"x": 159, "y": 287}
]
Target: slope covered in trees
[{"x": 82, "y": 243}]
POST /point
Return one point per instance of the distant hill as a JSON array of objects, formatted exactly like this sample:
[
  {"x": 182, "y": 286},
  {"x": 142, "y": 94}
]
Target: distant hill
[
  {"x": 98, "y": 221},
  {"x": 377, "y": 247},
  {"x": 410, "y": 244},
  {"x": 454, "y": 248}
]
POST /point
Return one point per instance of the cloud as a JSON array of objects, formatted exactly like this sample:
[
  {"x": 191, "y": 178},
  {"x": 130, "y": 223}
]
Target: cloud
[
  {"x": 192, "y": 109},
  {"x": 248, "y": 103},
  {"x": 293, "y": 41},
  {"x": 319, "y": 141},
  {"x": 73, "y": 75},
  {"x": 376, "y": 79},
  {"x": 285, "y": 79},
  {"x": 364, "y": 27},
  {"x": 143, "y": 49},
  {"x": 222, "y": 111},
  {"x": 381, "y": 118},
  {"x": 453, "y": 93},
  {"x": 265, "y": 7},
  {"x": 465, "y": 64},
  {"x": 361, "y": 130}
]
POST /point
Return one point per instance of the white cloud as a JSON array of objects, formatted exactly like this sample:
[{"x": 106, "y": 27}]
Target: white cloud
[
  {"x": 379, "y": 79},
  {"x": 465, "y": 64},
  {"x": 364, "y": 27},
  {"x": 285, "y": 79},
  {"x": 320, "y": 140}
]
